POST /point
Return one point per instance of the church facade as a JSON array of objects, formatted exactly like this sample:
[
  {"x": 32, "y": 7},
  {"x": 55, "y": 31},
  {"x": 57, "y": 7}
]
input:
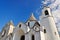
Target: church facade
[{"x": 45, "y": 29}]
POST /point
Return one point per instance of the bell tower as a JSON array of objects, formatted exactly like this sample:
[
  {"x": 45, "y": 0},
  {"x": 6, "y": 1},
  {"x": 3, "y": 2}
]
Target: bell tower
[{"x": 47, "y": 20}]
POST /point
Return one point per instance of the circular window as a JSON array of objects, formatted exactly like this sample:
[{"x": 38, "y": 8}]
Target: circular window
[{"x": 36, "y": 28}]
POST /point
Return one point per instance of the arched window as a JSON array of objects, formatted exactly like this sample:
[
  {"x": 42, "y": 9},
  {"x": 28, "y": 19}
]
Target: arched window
[
  {"x": 44, "y": 30},
  {"x": 22, "y": 37},
  {"x": 33, "y": 38},
  {"x": 28, "y": 24},
  {"x": 19, "y": 25},
  {"x": 55, "y": 33},
  {"x": 46, "y": 12}
]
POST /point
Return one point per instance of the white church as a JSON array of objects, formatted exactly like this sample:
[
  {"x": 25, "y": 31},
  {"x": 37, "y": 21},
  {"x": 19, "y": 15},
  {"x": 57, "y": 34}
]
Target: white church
[{"x": 45, "y": 29}]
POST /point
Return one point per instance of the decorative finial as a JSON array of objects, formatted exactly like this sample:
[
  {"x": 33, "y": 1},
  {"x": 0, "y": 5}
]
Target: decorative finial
[
  {"x": 10, "y": 22},
  {"x": 32, "y": 14},
  {"x": 32, "y": 17}
]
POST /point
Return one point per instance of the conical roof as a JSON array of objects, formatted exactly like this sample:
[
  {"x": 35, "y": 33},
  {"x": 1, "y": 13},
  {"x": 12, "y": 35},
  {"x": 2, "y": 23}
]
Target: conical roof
[{"x": 32, "y": 17}]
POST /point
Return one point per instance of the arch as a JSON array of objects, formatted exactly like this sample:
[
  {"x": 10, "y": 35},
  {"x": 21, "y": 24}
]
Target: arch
[
  {"x": 46, "y": 12},
  {"x": 44, "y": 30},
  {"x": 22, "y": 37},
  {"x": 28, "y": 23},
  {"x": 33, "y": 37},
  {"x": 19, "y": 25}
]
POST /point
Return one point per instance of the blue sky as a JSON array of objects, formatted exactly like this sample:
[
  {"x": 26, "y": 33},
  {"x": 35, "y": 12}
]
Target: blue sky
[{"x": 17, "y": 10}]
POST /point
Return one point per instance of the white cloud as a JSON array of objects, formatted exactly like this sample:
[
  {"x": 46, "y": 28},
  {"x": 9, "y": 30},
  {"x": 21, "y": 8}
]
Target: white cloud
[
  {"x": 55, "y": 7},
  {"x": 48, "y": 1}
]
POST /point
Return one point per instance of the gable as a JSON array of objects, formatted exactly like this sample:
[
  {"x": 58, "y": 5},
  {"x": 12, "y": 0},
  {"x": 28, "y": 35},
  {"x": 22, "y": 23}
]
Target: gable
[{"x": 24, "y": 27}]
